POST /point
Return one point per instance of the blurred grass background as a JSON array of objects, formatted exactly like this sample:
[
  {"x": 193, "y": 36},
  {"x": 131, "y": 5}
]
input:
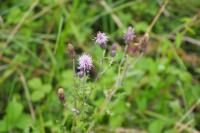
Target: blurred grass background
[{"x": 160, "y": 94}]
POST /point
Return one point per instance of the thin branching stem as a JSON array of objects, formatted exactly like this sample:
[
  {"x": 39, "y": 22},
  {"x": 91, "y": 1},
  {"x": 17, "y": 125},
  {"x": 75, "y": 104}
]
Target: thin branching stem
[{"x": 28, "y": 97}]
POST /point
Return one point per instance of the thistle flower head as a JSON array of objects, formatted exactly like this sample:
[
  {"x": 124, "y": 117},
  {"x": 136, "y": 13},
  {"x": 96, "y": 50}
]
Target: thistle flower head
[
  {"x": 85, "y": 62},
  {"x": 101, "y": 39},
  {"x": 129, "y": 35}
]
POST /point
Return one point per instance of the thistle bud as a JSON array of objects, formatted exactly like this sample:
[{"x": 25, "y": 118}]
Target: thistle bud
[
  {"x": 113, "y": 53},
  {"x": 61, "y": 94},
  {"x": 113, "y": 50},
  {"x": 71, "y": 51},
  {"x": 114, "y": 47}
]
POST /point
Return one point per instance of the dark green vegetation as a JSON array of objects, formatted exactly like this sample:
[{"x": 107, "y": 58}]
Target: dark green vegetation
[{"x": 160, "y": 93}]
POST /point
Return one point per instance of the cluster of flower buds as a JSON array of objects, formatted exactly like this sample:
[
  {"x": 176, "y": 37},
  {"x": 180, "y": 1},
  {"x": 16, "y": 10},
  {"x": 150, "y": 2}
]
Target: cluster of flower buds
[{"x": 71, "y": 51}]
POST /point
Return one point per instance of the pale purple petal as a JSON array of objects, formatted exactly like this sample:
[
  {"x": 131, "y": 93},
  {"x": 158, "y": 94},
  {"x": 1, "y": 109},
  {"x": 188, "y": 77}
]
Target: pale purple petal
[{"x": 85, "y": 62}]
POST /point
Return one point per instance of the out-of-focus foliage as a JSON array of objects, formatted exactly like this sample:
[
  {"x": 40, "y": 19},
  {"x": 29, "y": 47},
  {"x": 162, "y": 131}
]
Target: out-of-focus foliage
[{"x": 156, "y": 93}]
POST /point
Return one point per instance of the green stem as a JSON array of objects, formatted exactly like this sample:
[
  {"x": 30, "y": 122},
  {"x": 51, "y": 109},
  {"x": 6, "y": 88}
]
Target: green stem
[
  {"x": 121, "y": 65},
  {"x": 105, "y": 69},
  {"x": 102, "y": 60},
  {"x": 75, "y": 104}
]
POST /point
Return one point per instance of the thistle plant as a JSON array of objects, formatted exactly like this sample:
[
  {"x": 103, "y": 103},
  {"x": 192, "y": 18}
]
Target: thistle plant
[
  {"x": 82, "y": 110},
  {"x": 78, "y": 67}
]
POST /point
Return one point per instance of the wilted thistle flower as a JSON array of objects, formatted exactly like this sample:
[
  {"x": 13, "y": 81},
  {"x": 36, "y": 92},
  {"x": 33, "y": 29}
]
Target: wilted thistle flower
[
  {"x": 136, "y": 48},
  {"x": 101, "y": 39},
  {"x": 61, "y": 94},
  {"x": 129, "y": 35},
  {"x": 144, "y": 42},
  {"x": 85, "y": 62},
  {"x": 145, "y": 39},
  {"x": 71, "y": 50},
  {"x": 113, "y": 50}
]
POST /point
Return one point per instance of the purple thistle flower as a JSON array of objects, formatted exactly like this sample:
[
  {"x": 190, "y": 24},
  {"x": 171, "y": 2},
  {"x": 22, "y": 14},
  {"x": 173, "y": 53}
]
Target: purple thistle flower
[
  {"x": 101, "y": 39},
  {"x": 85, "y": 62},
  {"x": 129, "y": 35}
]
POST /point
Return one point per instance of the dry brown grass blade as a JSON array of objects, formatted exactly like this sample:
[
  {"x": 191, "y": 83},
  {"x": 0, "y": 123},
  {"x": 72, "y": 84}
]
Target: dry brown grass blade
[
  {"x": 27, "y": 94},
  {"x": 162, "y": 8}
]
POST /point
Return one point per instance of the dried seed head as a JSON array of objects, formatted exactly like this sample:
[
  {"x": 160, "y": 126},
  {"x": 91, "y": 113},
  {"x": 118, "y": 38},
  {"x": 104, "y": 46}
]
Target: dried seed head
[
  {"x": 71, "y": 51},
  {"x": 61, "y": 94}
]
